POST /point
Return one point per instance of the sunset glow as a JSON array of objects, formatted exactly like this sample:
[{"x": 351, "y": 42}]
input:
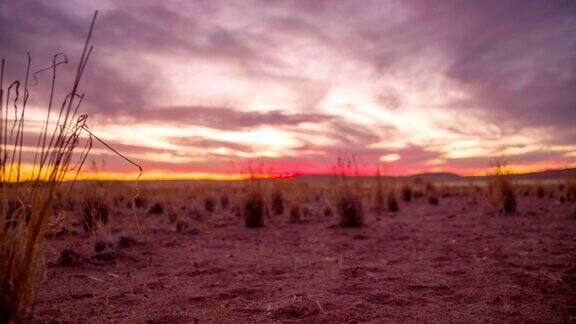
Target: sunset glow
[{"x": 202, "y": 88}]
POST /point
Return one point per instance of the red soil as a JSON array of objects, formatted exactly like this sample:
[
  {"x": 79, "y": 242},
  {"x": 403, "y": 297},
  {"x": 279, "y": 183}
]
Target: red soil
[{"x": 447, "y": 263}]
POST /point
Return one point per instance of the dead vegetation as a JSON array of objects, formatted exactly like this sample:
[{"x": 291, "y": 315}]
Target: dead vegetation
[
  {"x": 347, "y": 198},
  {"x": 62, "y": 146},
  {"x": 406, "y": 193},
  {"x": 32, "y": 210},
  {"x": 392, "y": 201},
  {"x": 295, "y": 214},
  {"x": 277, "y": 201},
  {"x": 20, "y": 244},
  {"x": 95, "y": 212},
  {"x": 379, "y": 199},
  {"x": 501, "y": 191},
  {"x": 253, "y": 209}
]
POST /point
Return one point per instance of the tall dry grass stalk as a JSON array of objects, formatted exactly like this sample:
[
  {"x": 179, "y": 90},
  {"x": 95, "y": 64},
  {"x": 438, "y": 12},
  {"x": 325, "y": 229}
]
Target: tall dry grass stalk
[
  {"x": 253, "y": 201},
  {"x": 348, "y": 194},
  {"x": 379, "y": 199},
  {"x": 27, "y": 213},
  {"x": 501, "y": 191}
]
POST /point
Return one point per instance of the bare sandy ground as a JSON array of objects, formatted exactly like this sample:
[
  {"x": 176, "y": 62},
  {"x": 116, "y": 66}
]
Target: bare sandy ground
[{"x": 449, "y": 263}]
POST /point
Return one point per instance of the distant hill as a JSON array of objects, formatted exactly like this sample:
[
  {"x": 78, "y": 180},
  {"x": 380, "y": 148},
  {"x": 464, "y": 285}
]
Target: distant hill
[
  {"x": 547, "y": 175},
  {"x": 452, "y": 177}
]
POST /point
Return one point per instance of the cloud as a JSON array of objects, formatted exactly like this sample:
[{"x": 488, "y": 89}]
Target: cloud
[
  {"x": 221, "y": 117},
  {"x": 428, "y": 81}
]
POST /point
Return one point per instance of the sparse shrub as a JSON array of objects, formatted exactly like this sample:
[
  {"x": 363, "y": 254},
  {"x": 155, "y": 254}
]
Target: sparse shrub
[
  {"x": 277, "y": 202},
  {"x": 327, "y": 211},
  {"x": 157, "y": 208},
  {"x": 392, "y": 201},
  {"x": 562, "y": 199},
  {"x": 94, "y": 212},
  {"x": 253, "y": 209},
  {"x": 295, "y": 215},
  {"x": 418, "y": 194},
  {"x": 224, "y": 201},
  {"x": 433, "y": 200},
  {"x": 406, "y": 193},
  {"x": 209, "y": 204}
]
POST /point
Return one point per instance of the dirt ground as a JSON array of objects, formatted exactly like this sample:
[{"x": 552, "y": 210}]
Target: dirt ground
[{"x": 454, "y": 262}]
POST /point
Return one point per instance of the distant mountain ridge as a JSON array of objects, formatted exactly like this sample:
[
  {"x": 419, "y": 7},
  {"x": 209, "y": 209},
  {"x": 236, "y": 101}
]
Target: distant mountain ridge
[{"x": 452, "y": 177}]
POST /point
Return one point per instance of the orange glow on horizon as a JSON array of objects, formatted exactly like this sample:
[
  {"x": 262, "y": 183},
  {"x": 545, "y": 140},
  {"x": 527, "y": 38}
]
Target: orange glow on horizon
[{"x": 159, "y": 175}]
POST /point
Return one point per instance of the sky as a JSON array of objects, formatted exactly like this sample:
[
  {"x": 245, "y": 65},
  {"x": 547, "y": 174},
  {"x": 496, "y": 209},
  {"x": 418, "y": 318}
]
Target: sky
[{"x": 200, "y": 88}]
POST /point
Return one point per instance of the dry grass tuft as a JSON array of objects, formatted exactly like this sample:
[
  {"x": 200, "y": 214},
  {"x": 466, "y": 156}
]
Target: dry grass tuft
[
  {"x": 540, "y": 191},
  {"x": 156, "y": 209},
  {"x": 379, "y": 200},
  {"x": 58, "y": 156},
  {"x": 138, "y": 202},
  {"x": 253, "y": 205},
  {"x": 349, "y": 208},
  {"x": 406, "y": 193},
  {"x": 570, "y": 189},
  {"x": 181, "y": 226},
  {"x": 500, "y": 189},
  {"x": 277, "y": 201},
  {"x": 327, "y": 211},
  {"x": 348, "y": 197},
  {"x": 69, "y": 258},
  {"x": 101, "y": 245},
  {"x": 224, "y": 201},
  {"x": 95, "y": 212},
  {"x": 209, "y": 204},
  {"x": 126, "y": 241},
  {"x": 253, "y": 209},
  {"x": 392, "y": 201},
  {"x": 295, "y": 214},
  {"x": 433, "y": 200}
]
